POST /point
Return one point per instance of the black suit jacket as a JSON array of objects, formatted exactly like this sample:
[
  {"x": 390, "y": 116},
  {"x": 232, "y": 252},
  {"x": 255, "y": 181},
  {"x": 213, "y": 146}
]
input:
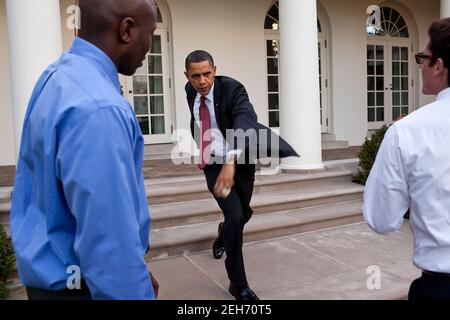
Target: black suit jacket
[{"x": 234, "y": 111}]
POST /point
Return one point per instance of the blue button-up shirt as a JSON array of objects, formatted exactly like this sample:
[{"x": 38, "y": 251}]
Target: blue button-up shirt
[{"x": 79, "y": 196}]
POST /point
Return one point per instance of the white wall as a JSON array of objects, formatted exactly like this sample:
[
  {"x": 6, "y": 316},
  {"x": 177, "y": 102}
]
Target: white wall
[
  {"x": 7, "y": 153},
  {"x": 233, "y": 32}
]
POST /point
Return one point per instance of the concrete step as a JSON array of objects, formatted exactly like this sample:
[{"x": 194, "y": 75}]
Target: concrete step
[
  {"x": 168, "y": 190},
  {"x": 179, "y": 240},
  {"x": 327, "y": 137},
  {"x": 5, "y": 194},
  {"x": 190, "y": 212},
  {"x": 332, "y": 145}
]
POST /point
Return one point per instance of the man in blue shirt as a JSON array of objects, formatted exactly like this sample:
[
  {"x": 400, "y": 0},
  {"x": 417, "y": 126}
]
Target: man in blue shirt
[{"x": 79, "y": 202}]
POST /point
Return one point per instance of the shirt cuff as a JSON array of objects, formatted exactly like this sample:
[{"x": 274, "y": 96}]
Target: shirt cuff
[{"x": 233, "y": 154}]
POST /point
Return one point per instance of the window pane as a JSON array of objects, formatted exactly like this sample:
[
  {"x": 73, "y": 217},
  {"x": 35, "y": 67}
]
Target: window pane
[
  {"x": 405, "y": 99},
  {"x": 404, "y": 83},
  {"x": 405, "y": 111},
  {"x": 404, "y": 33},
  {"x": 370, "y": 52},
  {"x": 405, "y": 68},
  {"x": 145, "y": 126},
  {"x": 156, "y": 84},
  {"x": 371, "y": 83},
  {"x": 371, "y": 99},
  {"x": 380, "y": 114},
  {"x": 273, "y": 83},
  {"x": 274, "y": 119},
  {"x": 380, "y": 99},
  {"x": 380, "y": 53},
  {"x": 396, "y": 68},
  {"x": 141, "y": 105},
  {"x": 395, "y": 113},
  {"x": 272, "y": 48},
  {"x": 274, "y": 102},
  {"x": 272, "y": 66},
  {"x": 371, "y": 115},
  {"x": 140, "y": 85},
  {"x": 380, "y": 83},
  {"x": 405, "y": 54},
  {"x": 158, "y": 125},
  {"x": 370, "y": 68},
  {"x": 396, "y": 85},
  {"x": 155, "y": 65},
  {"x": 156, "y": 44},
  {"x": 395, "y": 53},
  {"x": 157, "y": 105},
  {"x": 396, "y": 98},
  {"x": 159, "y": 17},
  {"x": 380, "y": 68}
]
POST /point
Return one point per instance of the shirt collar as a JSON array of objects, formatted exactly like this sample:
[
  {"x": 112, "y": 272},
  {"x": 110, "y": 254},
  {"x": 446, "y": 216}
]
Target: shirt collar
[
  {"x": 86, "y": 49},
  {"x": 210, "y": 96},
  {"x": 444, "y": 94}
]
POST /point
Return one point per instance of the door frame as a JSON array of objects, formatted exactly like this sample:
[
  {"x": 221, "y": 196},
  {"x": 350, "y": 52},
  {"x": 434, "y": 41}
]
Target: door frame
[
  {"x": 388, "y": 43},
  {"x": 167, "y": 92}
]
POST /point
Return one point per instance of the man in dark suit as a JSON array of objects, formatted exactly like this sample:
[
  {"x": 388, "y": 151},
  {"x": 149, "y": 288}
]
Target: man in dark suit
[{"x": 219, "y": 104}]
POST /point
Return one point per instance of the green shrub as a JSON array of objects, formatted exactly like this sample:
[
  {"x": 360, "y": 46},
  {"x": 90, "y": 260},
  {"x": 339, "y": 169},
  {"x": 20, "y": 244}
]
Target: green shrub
[
  {"x": 7, "y": 261},
  {"x": 368, "y": 155}
]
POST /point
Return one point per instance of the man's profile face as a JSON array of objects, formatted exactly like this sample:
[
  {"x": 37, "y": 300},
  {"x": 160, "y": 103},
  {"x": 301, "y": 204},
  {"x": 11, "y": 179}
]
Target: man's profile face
[
  {"x": 429, "y": 81},
  {"x": 141, "y": 34},
  {"x": 201, "y": 76}
]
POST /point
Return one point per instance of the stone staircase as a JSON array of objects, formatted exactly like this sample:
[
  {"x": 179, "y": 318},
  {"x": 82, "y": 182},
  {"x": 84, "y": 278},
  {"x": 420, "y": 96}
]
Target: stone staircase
[
  {"x": 185, "y": 216},
  {"x": 329, "y": 142}
]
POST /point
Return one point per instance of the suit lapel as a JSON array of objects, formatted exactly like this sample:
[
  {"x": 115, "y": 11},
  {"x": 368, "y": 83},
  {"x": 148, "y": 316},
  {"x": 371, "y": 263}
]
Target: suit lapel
[{"x": 218, "y": 103}]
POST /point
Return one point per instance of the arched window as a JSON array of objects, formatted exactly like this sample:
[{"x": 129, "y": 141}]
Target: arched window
[
  {"x": 387, "y": 22},
  {"x": 389, "y": 78},
  {"x": 271, "y": 27}
]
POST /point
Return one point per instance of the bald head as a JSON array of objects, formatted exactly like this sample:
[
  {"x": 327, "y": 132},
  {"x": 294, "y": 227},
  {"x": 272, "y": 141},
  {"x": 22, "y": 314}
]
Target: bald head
[{"x": 121, "y": 28}]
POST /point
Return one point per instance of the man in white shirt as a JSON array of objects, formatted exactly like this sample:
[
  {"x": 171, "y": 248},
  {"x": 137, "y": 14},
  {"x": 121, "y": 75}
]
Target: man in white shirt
[{"x": 412, "y": 171}]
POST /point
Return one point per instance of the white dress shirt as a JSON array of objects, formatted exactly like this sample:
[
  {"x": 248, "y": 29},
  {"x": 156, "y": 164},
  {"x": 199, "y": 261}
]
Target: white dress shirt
[
  {"x": 412, "y": 170},
  {"x": 219, "y": 146}
]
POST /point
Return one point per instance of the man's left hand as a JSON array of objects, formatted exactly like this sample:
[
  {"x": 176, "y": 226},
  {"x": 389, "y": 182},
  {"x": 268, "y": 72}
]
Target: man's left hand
[{"x": 225, "y": 181}]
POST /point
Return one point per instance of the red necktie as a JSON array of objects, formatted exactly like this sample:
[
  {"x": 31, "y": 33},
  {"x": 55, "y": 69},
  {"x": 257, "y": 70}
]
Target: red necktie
[{"x": 205, "y": 138}]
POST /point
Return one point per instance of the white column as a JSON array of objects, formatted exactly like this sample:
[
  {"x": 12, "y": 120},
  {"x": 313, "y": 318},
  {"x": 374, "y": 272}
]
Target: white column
[
  {"x": 445, "y": 9},
  {"x": 299, "y": 84},
  {"x": 35, "y": 41}
]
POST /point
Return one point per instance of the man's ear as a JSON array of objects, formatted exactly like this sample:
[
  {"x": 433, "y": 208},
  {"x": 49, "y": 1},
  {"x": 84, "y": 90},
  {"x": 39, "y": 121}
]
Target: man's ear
[
  {"x": 187, "y": 75},
  {"x": 127, "y": 30}
]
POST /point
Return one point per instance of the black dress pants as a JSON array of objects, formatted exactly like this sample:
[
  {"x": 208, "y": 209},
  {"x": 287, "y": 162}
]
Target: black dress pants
[
  {"x": 430, "y": 287},
  {"x": 41, "y": 294},
  {"x": 237, "y": 212}
]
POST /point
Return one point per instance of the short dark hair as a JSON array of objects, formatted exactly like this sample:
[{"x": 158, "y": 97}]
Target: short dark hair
[
  {"x": 198, "y": 56},
  {"x": 439, "y": 45}
]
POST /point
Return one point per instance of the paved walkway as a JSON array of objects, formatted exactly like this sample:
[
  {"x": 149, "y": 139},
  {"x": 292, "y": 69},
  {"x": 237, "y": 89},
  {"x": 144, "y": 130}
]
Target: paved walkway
[{"x": 329, "y": 264}]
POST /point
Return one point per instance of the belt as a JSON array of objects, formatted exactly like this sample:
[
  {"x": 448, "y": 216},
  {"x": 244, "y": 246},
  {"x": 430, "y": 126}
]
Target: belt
[{"x": 436, "y": 274}]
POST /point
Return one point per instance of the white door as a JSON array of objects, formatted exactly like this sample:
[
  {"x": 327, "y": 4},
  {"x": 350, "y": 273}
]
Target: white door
[
  {"x": 389, "y": 81},
  {"x": 148, "y": 91}
]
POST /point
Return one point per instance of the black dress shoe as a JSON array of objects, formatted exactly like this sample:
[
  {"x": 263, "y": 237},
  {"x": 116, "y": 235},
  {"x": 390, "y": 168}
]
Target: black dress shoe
[
  {"x": 245, "y": 294},
  {"x": 218, "y": 248}
]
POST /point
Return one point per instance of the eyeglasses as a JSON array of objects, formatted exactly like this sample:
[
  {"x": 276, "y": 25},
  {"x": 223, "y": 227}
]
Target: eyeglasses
[{"x": 420, "y": 57}]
